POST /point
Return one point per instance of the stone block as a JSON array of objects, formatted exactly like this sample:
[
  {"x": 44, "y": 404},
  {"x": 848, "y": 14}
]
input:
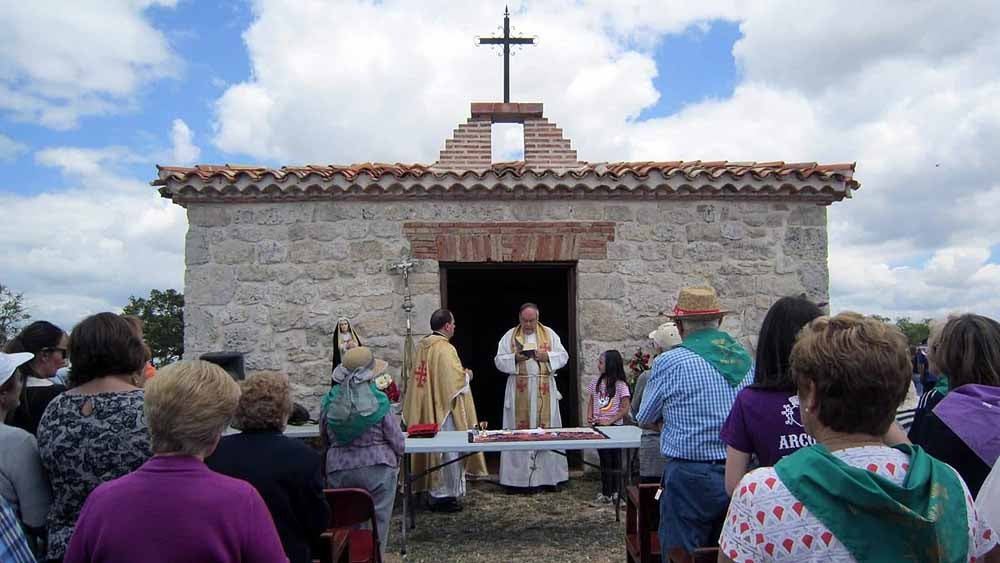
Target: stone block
[
  {"x": 386, "y": 229},
  {"x": 755, "y": 220},
  {"x": 605, "y": 318},
  {"x": 208, "y": 215},
  {"x": 648, "y": 215},
  {"x": 301, "y": 292},
  {"x": 305, "y": 251},
  {"x": 600, "y": 286},
  {"x": 247, "y": 233},
  {"x": 252, "y": 294},
  {"x": 337, "y": 211},
  {"x": 232, "y": 252},
  {"x": 399, "y": 212},
  {"x": 666, "y": 232},
  {"x": 733, "y": 230},
  {"x": 201, "y": 329},
  {"x": 336, "y": 250},
  {"x": 210, "y": 285},
  {"x": 708, "y": 212},
  {"x": 588, "y": 211},
  {"x": 253, "y": 273},
  {"x": 618, "y": 213},
  {"x": 595, "y": 266},
  {"x": 751, "y": 250},
  {"x": 702, "y": 232},
  {"x": 805, "y": 243},
  {"x": 243, "y": 337},
  {"x": 352, "y": 230},
  {"x": 631, "y": 267},
  {"x": 633, "y": 231},
  {"x": 272, "y": 252},
  {"x": 531, "y": 212},
  {"x": 196, "y": 248},
  {"x": 700, "y": 251},
  {"x": 815, "y": 280},
  {"x": 678, "y": 215},
  {"x": 366, "y": 250},
  {"x": 807, "y": 215},
  {"x": 776, "y": 220}
]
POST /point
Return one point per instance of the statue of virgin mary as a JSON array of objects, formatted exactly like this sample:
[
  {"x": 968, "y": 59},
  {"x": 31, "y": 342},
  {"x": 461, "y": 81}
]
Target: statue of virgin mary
[{"x": 344, "y": 338}]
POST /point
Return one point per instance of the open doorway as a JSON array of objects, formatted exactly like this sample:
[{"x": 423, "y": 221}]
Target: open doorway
[{"x": 485, "y": 299}]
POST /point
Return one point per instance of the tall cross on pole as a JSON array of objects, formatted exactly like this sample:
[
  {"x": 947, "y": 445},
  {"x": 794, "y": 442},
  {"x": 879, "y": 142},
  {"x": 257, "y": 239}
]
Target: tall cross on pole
[{"x": 506, "y": 41}]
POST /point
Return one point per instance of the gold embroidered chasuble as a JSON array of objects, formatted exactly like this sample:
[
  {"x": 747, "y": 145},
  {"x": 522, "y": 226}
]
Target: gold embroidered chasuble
[{"x": 436, "y": 387}]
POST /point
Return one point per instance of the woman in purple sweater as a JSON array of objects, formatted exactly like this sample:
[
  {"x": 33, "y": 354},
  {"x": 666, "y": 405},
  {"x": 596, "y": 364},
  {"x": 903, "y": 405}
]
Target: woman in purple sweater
[{"x": 174, "y": 508}]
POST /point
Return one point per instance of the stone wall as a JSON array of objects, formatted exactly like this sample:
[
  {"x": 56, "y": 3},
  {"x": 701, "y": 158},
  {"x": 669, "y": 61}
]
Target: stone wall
[{"x": 270, "y": 280}]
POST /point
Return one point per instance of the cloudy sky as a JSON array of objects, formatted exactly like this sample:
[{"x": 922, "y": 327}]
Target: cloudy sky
[{"x": 92, "y": 96}]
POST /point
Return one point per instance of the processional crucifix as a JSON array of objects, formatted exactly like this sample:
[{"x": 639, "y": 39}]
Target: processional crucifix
[
  {"x": 403, "y": 267},
  {"x": 506, "y": 41}
]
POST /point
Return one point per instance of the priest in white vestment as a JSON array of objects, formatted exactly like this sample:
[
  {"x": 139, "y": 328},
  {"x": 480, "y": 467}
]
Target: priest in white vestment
[{"x": 530, "y": 354}]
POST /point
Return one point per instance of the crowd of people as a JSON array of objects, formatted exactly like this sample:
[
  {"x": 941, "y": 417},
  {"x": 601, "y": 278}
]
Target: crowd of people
[
  {"x": 814, "y": 449},
  {"x": 801, "y": 454}
]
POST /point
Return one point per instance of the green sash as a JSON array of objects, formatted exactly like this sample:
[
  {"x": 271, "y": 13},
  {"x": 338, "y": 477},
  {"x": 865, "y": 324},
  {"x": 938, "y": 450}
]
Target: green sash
[
  {"x": 352, "y": 409},
  {"x": 942, "y": 385},
  {"x": 722, "y": 351},
  {"x": 924, "y": 519}
]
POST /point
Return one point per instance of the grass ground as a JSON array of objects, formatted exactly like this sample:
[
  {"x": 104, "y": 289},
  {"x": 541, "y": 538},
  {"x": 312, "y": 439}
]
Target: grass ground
[{"x": 494, "y": 526}]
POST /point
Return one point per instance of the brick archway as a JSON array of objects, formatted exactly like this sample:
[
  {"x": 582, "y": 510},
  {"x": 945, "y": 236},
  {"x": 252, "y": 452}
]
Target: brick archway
[{"x": 557, "y": 241}]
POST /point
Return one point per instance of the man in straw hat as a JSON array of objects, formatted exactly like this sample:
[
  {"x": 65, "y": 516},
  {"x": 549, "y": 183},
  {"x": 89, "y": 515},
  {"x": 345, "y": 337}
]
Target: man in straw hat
[
  {"x": 438, "y": 392},
  {"x": 691, "y": 391}
]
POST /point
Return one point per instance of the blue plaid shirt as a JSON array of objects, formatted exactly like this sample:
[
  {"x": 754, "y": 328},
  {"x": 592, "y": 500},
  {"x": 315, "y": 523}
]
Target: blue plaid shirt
[
  {"x": 693, "y": 400},
  {"x": 13, "y": 545}
]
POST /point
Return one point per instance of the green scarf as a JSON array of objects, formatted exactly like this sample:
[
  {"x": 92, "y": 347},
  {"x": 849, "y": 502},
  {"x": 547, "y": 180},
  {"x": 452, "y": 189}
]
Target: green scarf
[
  {"x": 353, "y": 408},
  {"x": 722, "y": 351},
  {"x": 924, "y": 519},
  {"x": 942, "y": 385}
]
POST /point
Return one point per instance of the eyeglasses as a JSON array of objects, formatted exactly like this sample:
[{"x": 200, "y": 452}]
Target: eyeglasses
[{"x": 62, "y": 351}]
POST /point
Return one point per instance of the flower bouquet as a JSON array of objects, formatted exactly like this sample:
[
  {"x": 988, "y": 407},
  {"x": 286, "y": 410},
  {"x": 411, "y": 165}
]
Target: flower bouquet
[{"x": 637, "y": 365}]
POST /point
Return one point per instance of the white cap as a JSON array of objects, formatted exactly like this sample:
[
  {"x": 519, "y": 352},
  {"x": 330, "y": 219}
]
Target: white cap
[
  {"x": 10, "y": 362},
  {"x": 666, "y": 335}
]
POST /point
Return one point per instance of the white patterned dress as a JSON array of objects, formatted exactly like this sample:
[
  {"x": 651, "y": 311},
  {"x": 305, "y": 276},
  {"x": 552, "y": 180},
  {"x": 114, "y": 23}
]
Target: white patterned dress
[{"x": 766, "y": 523}]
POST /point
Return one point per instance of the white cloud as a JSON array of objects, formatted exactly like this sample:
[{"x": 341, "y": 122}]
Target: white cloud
[
  {"x": 60, "y": 63},
  {"x": 908, "y": 91},
  {"x": 87, "y": 249},
  {"x": 184, "y": 149},
  {"x": 10, "y": 149}
]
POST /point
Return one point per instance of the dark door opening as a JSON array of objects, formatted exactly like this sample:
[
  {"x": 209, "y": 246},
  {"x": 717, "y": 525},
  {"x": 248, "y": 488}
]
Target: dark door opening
[{"x": 485, "y": 299}]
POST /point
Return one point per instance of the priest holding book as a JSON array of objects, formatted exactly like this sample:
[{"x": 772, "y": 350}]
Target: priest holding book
[{"x": 530, "y": 354}]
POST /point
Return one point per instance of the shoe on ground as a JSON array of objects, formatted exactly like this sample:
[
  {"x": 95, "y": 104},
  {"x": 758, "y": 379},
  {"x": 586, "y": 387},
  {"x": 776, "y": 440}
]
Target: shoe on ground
[
  {"x": 601, "y": 499},
  {"x": 444, "y": 505}
]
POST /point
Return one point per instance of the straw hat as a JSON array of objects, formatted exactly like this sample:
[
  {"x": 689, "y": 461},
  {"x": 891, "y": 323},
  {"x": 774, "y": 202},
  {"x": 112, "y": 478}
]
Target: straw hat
[
  {"x": 698, "y": 302},
  {"x": 359, "y": 357},
  {"x": 10, "y": 362}
]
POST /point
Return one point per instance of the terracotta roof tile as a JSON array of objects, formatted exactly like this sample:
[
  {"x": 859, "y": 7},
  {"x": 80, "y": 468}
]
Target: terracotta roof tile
[{"x": 689, "y": 169}]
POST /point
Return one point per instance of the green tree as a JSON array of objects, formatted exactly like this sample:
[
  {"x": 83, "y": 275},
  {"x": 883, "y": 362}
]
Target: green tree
[
  {"x": 916, "y": 332},
  {"x": 163, "y": 315},
  {"x": 881, "y": 318},
  {"x": 12, "y": 313}
]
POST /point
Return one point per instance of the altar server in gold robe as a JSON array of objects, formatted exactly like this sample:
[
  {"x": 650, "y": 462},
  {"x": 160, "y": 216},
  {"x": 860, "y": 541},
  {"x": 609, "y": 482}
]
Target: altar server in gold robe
[
  {"x": 530, "y": 353},
  {"x": 438, "y": 392}
]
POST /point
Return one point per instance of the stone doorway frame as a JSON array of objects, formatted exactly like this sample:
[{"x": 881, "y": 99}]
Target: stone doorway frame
[{"x": 571, "y": 340}]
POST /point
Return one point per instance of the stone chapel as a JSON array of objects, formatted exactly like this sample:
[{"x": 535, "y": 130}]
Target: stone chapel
[{"x": 274, "y": 256}]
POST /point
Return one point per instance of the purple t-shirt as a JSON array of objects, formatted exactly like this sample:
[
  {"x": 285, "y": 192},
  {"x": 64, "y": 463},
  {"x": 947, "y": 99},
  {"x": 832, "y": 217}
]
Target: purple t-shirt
[
  {"x": 174, "y": 508},
  {"x": 765, "y": 423}
]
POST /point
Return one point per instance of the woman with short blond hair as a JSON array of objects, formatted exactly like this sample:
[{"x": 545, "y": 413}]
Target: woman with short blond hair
[
  {"x": 287, "y": 473},
  {"x": 174, "y": 508}
]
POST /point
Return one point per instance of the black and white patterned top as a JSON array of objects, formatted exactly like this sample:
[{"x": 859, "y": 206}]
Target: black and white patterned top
[{"x": 81, "y": 451}]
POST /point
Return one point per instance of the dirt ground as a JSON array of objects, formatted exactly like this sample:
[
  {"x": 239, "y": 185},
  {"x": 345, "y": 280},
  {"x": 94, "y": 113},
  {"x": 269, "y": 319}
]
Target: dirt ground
[{"x": 494, "y": 526}]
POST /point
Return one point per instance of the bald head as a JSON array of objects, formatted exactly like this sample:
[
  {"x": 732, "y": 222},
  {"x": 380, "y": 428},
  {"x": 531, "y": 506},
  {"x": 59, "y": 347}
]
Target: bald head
[{"x": 528, "y": 318}]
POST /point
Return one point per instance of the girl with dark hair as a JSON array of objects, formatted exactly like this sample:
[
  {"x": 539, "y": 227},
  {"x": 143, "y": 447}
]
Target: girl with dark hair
[
  {"x": 764, "y": 421},
  {"x": 609, "y": 404},
  {"x": 50, "y": 346}
]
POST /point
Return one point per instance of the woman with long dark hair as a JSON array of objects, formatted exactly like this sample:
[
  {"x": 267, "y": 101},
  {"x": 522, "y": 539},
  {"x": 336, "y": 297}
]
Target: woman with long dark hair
[
  {"x": 609, "y": 404},
  {"x": 764, "y": 421},
  {"x": 50, "y": 345}
]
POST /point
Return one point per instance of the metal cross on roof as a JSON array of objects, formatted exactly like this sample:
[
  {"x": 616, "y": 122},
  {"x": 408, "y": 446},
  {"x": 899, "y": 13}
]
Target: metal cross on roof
[{"x": 506, "y": 41}]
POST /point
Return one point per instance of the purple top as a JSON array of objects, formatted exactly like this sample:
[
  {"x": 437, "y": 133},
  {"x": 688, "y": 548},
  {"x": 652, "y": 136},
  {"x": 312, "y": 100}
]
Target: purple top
[
  {"x": 765, "y": 423},
  {"x": 381, "y": 444},
  {"x": 174, "y": 508}
]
